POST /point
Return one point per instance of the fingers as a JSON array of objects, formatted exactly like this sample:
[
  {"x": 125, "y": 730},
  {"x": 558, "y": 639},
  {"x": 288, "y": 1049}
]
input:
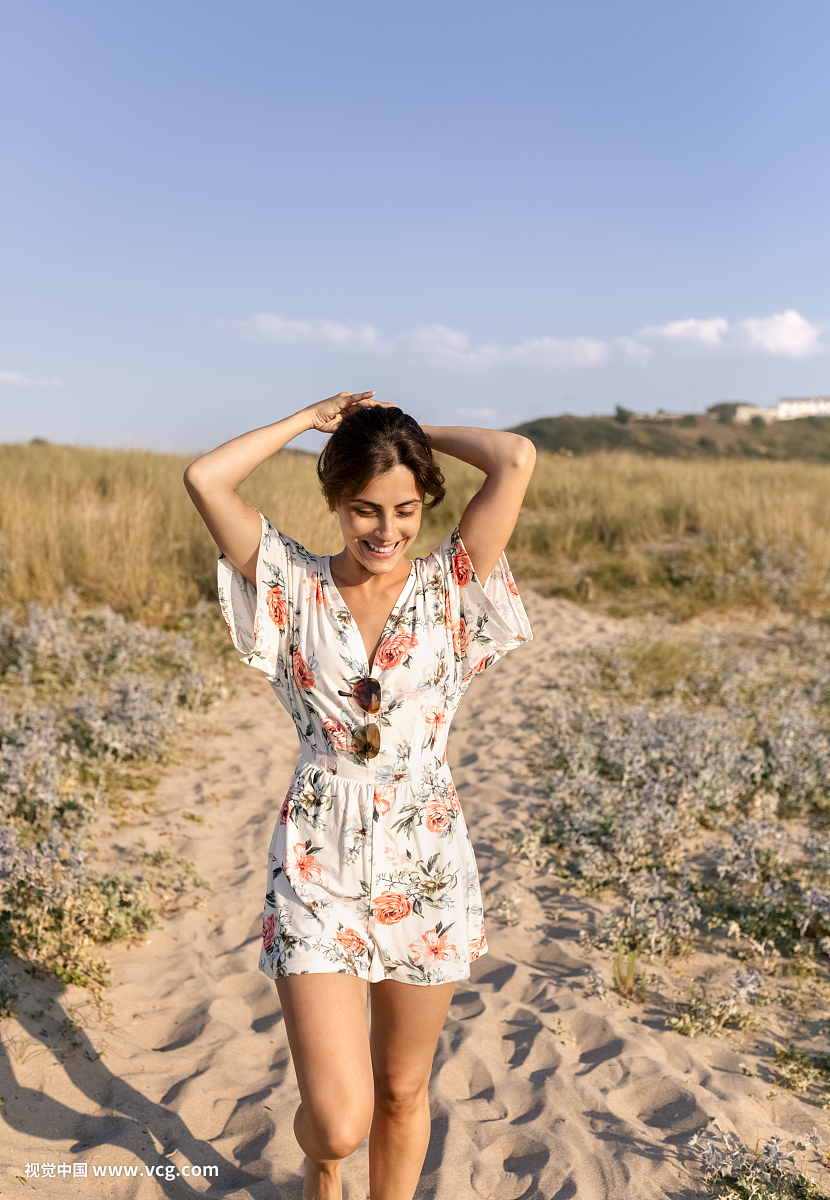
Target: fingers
[
  {"x": 347, "y": 399},
  {"x": 332, "y": 411},
  {"x": 361, "y": 400},
  {"x": 368, "y": 402}
]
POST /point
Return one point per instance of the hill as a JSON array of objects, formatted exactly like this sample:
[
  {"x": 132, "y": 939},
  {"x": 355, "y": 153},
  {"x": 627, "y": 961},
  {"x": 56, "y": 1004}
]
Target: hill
[{"x": 692, "y": 436}]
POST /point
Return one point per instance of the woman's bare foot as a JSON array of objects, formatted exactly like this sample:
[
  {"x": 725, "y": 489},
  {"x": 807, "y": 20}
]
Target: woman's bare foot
[{"x": 322, "y": 1181}]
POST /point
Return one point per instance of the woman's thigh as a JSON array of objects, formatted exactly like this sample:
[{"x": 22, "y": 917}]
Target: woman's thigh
[
  {"x": 407, "y": 1019},
  {"x": 325, "y": 1020}
]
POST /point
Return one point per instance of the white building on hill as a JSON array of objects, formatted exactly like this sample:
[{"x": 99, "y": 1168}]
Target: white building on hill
[
  {"x": 816, "y": 406},
  {"x": 786, "y": 410},
  {"x": 745, "y": 412}
]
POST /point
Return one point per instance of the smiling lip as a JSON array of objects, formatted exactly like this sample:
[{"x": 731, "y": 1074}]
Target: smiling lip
[{"x": 383, "y": 551}]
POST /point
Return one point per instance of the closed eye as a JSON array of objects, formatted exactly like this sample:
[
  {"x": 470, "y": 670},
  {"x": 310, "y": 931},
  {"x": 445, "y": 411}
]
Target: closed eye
[{"x": 361, "y": 512}]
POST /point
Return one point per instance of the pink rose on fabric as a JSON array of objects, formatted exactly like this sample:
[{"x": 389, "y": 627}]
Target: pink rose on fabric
[
  {"x": 277, "y": 607},
  {"x": 391, "y": 907},
  {"x": 436, "y": 816},
  {"x": 393, "y": 650},
  {"x": 511, "y": 583},
  {"x": 430, "y": 949},
  {"x": 452, "y": 796},
  {"x": 350, "y": 940},
  {"x": 461, "y": 637},
  {"x": 286, "y": 805},
  {"x": 337, "y": 734},
  {"x": 269, "y": 929},
  {"x": 303, "y": 672},
  {"x": 462, "y": 567}
]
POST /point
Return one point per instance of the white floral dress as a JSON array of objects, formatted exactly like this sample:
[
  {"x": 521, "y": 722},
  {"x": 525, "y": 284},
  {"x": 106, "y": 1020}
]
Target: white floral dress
[{"x": 371, "y": 871}]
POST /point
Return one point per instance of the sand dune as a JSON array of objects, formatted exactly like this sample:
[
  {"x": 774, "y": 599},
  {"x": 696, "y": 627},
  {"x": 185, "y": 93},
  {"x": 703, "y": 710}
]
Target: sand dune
[{"x": 538, "y": 1092}]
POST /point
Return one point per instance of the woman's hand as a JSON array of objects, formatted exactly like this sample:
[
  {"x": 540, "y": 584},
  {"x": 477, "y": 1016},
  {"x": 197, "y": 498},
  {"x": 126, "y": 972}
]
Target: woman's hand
[
  {"x": 212, "y": 480},
  {"x": 328, "y": 414}
]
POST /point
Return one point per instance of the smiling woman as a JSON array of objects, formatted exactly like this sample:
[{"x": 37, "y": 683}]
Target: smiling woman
[
  {"x": 371, "y": 874},
  {"x": 376, "y": 471}
]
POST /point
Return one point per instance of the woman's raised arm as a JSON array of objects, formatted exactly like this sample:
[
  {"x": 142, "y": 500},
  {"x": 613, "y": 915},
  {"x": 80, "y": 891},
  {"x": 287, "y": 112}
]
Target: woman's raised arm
[
  {"x": 212, "y": 480},
  {"x": 507, "y": 459}
]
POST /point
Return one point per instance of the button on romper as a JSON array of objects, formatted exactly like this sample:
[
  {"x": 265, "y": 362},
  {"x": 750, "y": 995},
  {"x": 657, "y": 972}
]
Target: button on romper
[{"x": 371, "y": 871}]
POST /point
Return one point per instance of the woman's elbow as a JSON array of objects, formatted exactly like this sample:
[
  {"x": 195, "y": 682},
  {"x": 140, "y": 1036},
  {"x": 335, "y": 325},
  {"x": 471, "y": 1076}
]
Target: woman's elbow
[
  {"x": 193, "y": 479},
  {"x": 524, "y": 454}
]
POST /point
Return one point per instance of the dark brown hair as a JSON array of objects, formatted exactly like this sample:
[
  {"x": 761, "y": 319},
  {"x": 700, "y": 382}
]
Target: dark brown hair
[{"x": 371, "y": 441}]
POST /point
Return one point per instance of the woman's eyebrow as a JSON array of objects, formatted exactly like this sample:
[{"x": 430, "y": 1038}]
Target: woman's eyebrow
[{"x": 400, "y": 504}]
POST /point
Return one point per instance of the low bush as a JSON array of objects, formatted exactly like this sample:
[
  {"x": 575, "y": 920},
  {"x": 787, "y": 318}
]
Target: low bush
[
  {"x": 773, "y": 1172},
  {"x": 716, "y": 1018},
  {"x": 644, "y": 751},
  {"x": 86, "y": 699}
]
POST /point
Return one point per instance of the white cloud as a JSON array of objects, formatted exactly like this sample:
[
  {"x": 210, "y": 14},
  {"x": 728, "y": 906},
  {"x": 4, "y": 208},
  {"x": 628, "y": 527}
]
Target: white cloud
[
  {"x": 553, "y": 352},
  {"x": 707, "y": 332},
  {"x": 331, "y": 333},
  {"x": 445, "y": 346},
  {"x": 19, "y": 379},
  {"x": 634, "y": 349},
  {"x": 438, "y": 344},
  {"x": 786, "y": 333}
]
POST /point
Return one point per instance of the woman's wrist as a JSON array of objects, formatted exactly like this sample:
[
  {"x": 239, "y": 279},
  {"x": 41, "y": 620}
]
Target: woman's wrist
[{"x": 302, "y": 420}]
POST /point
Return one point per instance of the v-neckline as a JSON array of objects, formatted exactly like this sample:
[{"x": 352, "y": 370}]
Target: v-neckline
[{"x": 330, "y": 579}]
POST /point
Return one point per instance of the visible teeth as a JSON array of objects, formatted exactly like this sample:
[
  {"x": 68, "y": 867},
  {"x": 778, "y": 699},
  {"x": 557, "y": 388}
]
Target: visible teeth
[{"x": 381, "y": 549}]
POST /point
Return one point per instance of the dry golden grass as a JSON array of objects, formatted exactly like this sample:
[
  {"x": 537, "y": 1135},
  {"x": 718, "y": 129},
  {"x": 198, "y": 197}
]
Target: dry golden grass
[
  {"x": 118, "y": 526},
  {"x": 686, "y": 533}
]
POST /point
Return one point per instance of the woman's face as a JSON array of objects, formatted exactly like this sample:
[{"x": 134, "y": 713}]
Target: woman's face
[{"x": 382, "y": 521}]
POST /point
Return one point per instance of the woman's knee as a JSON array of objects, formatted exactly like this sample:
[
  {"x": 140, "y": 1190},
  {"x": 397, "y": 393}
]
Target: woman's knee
[
  {"x": 336, "y": 1135},
  {"x": 400, "y": 1096}
]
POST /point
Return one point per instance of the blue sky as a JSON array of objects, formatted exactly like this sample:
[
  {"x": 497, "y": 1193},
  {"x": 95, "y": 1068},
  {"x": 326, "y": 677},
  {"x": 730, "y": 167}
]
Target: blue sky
[{"x": 216, "y": 213}]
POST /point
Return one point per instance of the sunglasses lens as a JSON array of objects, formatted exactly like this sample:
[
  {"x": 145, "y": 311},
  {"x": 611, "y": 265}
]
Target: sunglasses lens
[
  {"x": 366, "y": 741},
  {"x": 366, "y": 693}
]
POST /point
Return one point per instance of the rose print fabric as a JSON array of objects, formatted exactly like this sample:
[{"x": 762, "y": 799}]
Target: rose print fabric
[{"x": 371, "y": 871}]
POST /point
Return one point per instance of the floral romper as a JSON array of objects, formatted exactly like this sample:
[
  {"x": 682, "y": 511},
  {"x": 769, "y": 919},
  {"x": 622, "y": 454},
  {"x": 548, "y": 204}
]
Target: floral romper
[{"x": 371, "y": 871}]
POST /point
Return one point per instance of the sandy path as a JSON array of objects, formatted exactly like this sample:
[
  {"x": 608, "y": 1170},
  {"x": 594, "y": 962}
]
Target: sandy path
[{"x": 537, "y": 1091}]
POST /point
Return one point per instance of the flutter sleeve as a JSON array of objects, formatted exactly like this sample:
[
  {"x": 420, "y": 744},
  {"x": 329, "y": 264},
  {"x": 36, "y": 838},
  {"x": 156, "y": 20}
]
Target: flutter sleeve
[
  {"x": 483, "y": 621},
  {"x": 259, "y": 617}
]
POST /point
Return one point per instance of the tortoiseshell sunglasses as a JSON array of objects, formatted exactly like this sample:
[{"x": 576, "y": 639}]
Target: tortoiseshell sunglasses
[{"x": 366, "y": 694}]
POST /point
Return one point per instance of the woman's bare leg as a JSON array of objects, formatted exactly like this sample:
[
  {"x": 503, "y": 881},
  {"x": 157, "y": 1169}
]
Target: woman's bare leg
[
  {"x": 325, "y": 1019},
  {"x": 406, "y": 1021}
]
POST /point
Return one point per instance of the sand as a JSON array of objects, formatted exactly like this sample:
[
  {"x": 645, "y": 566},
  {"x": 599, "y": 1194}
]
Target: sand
[{"x": 537, "y": 1091}]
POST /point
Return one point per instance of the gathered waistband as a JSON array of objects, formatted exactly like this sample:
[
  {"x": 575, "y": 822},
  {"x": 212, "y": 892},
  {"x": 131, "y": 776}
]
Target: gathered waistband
[{"x": 368, "y": 773}]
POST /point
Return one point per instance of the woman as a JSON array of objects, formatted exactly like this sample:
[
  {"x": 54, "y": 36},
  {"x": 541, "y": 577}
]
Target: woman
[{"x": 371, "y": 873}]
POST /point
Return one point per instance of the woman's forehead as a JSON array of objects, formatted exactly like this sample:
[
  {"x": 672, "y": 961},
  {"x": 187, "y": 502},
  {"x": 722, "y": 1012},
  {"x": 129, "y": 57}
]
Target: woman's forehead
[{"x": 396, "y": 487}]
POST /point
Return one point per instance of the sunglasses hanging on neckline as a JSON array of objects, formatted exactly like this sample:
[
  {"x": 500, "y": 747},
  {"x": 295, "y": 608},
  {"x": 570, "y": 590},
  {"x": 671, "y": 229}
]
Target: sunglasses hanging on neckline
[{"x": 366, "y": 694}]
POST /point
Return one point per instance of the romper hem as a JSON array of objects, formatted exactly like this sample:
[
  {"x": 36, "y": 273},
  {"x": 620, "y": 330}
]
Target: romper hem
[{"x": 296, "y": 967}]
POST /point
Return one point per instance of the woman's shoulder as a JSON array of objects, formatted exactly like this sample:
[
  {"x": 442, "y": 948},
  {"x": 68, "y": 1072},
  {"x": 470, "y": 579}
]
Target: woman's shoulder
[{"x": 277, "y": 543}]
